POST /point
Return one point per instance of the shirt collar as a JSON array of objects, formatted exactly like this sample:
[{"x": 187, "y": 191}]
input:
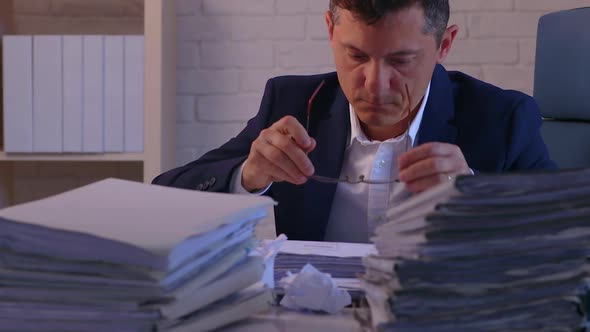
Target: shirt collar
[{"x": 357, "y": 133}]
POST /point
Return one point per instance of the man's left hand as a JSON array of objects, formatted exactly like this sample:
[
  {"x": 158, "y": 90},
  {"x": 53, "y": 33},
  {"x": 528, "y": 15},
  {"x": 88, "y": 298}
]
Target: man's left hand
[{"x": 430, "y": 164}]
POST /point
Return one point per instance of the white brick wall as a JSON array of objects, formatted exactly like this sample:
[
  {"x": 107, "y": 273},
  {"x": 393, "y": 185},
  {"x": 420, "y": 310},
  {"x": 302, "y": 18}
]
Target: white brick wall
[{"x": 229, "y": 48}]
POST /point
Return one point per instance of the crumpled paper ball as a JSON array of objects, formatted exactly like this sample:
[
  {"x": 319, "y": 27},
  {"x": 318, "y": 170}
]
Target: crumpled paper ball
[{"x": 311, "y": 289}]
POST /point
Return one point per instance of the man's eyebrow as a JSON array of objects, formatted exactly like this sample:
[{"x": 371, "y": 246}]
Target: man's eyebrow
[
  {"x": 392, "y": 54},
  {"x": 404, "y": 52},
  {"x": 352, "y": 48}
]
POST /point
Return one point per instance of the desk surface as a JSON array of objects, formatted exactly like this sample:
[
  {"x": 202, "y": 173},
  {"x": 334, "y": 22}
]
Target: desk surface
[{"x": 283, "y": 320}]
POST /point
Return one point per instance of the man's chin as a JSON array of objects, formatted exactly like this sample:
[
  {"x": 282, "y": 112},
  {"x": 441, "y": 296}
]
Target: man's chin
[{"x": 376, "y": 119}]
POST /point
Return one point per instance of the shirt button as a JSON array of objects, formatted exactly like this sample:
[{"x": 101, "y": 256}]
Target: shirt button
[{"x": 381, "y": 163}]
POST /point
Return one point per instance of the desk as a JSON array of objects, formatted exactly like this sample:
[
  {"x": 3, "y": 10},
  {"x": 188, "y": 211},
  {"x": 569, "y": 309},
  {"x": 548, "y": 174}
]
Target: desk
[{"x": 284, "y": 320}]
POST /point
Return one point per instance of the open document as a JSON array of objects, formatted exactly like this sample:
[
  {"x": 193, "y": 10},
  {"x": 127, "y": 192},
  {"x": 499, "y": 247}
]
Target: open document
[{"x": 124, "y": 256}]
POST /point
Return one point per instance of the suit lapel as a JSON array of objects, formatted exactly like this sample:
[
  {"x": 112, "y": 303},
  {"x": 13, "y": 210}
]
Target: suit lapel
[
  {"x": 330, "y": 130},
  {"x": 437, "y": 122}
]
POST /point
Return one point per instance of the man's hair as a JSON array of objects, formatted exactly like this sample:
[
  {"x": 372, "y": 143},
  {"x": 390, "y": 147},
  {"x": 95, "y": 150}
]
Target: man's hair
[{"x": 436, "y": 12}]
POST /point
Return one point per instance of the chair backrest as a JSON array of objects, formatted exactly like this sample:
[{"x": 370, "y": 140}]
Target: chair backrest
[{"x": 562, "y": 85}]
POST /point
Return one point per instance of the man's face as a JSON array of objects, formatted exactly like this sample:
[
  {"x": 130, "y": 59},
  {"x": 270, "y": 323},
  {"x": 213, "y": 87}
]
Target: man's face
[{"x": 375, "y": 62}]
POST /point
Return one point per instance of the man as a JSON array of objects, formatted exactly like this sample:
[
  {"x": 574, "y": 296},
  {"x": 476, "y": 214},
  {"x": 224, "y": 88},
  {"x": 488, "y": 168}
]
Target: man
[{"x": 361, "y": 126}]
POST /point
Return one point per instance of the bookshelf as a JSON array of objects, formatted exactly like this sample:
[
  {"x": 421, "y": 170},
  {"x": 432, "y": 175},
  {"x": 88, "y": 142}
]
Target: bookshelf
[{"x": 159, "y": 18}]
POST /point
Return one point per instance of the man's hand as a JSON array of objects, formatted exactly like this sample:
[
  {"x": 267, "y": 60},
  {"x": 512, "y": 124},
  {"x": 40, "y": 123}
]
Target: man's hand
[
  {"x": 279, "y": 154},
  {"x": 430, "y": 164}
]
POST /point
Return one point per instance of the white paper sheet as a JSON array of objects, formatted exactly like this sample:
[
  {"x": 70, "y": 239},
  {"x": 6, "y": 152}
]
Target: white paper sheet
[{"x": 333, "y": 249}]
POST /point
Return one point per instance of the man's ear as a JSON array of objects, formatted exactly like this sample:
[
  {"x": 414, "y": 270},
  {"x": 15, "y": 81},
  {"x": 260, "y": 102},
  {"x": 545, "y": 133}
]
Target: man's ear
[
  {"x": 329, "y": 24},
  {"x": 447, "y": 42}
]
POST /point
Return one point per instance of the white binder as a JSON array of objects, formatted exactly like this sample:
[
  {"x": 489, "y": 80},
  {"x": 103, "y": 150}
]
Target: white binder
[
  {"x": 134, "y": 68},
  {"x": 18, "y": 93},
  {"x": 72, "y": 92},
  {"x": 114, "y": 94},
  {"x": 47, "y": 94},
  {"x": 93, "y": 87}
]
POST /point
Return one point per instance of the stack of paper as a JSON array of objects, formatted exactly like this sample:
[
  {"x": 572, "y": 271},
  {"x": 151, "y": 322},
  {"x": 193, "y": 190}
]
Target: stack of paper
[
  {"x": 485, "y": 253},
  {"x": 124, "y": 256},
  {"x": 341, "y": 260}
]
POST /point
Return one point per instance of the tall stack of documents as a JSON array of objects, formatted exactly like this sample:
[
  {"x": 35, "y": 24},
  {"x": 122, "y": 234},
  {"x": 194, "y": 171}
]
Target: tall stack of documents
[
  {"x": 124, "y": 256},
  {"x": 485, "y": 253}
]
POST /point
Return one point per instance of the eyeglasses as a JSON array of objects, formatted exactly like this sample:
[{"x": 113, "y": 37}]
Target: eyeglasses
[{"x": 361, "y": 178}]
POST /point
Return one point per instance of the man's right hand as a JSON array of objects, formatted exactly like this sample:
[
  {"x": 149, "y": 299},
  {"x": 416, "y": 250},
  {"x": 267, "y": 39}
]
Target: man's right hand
[{"x": 279, "y": 154}]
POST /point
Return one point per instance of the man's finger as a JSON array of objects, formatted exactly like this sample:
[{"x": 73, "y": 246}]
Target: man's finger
[
  {"x": 282, "y": 161},
  {"x": 311, "y": 147},
  {"x": 426, "y": 183},
  {"x": 425, "y": 151},
  {"x": 429, "y": 167},
  {"x": 289, "y": 126},
  {"x": 275, "y": 172},
  {"x": 293, "y": 152}
]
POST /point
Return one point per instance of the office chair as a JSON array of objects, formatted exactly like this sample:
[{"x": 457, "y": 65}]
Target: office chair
[{"x": 562, "y": 85}]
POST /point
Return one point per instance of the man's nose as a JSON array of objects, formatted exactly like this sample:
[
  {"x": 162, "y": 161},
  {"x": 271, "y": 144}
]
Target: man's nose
[{"x": 377, "y": 78}]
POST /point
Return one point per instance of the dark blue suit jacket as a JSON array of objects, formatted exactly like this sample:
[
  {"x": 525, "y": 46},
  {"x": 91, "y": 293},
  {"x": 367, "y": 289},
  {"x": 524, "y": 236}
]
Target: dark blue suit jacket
[{"x": 497, "y": 130}]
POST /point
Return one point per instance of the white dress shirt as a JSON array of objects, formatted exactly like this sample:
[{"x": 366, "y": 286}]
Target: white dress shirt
[{"x": 358, "y": 208}]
